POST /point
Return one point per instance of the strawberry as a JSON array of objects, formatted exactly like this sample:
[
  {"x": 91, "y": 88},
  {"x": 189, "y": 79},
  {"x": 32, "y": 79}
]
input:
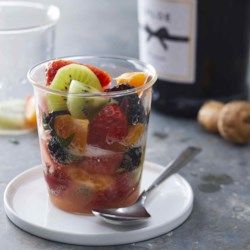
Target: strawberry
[
  {"x": 57, "y": 181},
  {"x": 104, "y": 198},
  {"x": 52, "y": 69},
  {"x": 103, "y": 76},
  {"x": 109, "y": 126},
  {"x": 124, "y": 184},
  {"x": 116, "y": 194},
  {"x": 54, "y": 66},
  {"x": 105, "y": 164},
  {"x": 132, "y": 105}
]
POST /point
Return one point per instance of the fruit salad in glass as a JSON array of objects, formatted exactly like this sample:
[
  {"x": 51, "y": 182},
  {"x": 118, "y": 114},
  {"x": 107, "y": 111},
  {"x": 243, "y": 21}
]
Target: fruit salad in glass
[{"x": 92, "y": 117}]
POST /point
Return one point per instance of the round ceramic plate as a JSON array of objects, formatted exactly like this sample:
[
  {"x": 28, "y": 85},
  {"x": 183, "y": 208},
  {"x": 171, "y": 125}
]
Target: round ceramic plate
[{"x": 27, "y": 205}]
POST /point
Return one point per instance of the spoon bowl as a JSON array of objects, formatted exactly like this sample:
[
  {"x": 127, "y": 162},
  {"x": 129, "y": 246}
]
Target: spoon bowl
[
  {"x": 137, "y": 212},
  {"x": 134, "y": 214}
]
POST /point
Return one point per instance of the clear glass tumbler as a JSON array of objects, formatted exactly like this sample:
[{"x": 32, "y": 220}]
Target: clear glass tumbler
[
  {"x": 27, "y": 31},
  {"x": 106, "y": 172}
]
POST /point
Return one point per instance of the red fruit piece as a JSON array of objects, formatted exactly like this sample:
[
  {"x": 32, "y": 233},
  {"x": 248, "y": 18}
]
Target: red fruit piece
[
  {"x": 104, "y": 198},
  {"x": 52, "y": 69},
  {"x": 107, "y": 164},
  {"x": 109, "y": 126},
  {"x": 102, "y": 75},
  {"x": 116, "y": 193},
  {"x": 122, "y": 192},
  {"x": 57, "y": 181},
  {"x": 54, "y": 66},
  {"x": 124, "y": 184}
]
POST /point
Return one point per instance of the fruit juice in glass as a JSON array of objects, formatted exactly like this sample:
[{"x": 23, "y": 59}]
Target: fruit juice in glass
[{"x": 92, "y": 115}]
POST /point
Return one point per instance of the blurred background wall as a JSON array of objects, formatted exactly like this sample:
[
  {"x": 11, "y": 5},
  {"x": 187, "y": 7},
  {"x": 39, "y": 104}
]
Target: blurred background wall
[
  {"x": 91, "y": 27},
  {"x": 86, "y": 26}
]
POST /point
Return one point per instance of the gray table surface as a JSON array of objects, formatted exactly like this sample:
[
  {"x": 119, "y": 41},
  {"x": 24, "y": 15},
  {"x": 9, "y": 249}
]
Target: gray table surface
[{"x": 220, "y": 176}]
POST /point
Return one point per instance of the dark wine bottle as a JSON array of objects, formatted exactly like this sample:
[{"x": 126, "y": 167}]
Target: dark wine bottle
[{"x": 200, "y": 49}]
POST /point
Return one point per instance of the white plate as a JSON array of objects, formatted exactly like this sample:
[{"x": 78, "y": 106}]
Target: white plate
[{"x": 27, "y": 205}]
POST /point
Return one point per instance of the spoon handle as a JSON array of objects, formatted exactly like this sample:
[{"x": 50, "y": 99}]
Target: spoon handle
[{"x": 186, "y": 156}]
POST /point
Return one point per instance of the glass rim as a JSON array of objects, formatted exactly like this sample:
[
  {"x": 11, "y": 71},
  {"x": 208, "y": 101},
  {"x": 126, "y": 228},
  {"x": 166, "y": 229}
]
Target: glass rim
[
  {"x": 35, "y": 5},
  {"x": 139, "y": 89}
]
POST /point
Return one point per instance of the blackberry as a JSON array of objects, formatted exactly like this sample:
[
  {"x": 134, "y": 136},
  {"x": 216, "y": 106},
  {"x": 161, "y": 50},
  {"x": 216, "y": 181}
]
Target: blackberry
[
  {"x": 133, "y": 108},
  {"x": 45, "y": 121},
  {"x": 132, "y": 159},
  {"x": 131, "y": 105},
  {"x": 119, "y": 88},
  {"x": 58, "y": 152}
]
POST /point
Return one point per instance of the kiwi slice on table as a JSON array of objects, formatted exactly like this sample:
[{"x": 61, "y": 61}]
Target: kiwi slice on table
[
  {"x": 84, "y": 107},
  {"x": 62, "y": 81}
]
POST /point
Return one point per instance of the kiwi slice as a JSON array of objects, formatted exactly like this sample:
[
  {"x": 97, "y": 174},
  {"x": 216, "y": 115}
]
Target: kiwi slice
[
  {"x": 84, "y": 107},
  {"x": 62, "y": 81}
]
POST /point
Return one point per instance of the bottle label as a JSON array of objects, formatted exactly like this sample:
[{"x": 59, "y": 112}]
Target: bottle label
[{"x": 167, "y": 37}]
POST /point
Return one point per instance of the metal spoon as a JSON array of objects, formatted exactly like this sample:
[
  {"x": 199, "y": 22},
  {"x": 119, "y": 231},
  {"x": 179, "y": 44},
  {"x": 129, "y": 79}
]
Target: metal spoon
[{"x": 137, "y": 213}]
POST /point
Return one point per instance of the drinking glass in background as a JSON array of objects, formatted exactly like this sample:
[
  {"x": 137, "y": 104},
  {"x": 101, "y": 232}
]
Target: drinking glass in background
[{"x": 27, "y": 33}]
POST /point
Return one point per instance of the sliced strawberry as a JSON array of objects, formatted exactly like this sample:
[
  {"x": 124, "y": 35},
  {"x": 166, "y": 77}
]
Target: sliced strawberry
[
  {"x": 104, "y": 199},
  {"x": 52, "y": 69},
  {"x": 102, "y": 75},
  {"x": 57, "y": 181},
  {"x": 54, "y": 66},
  {"x": 123, "y": 184},
  {"x": 127, "y": 182},
  {"x": 107, "y": 164},
  {"x": 117, "y": 194},
  {"x": 109, "y": 126}
]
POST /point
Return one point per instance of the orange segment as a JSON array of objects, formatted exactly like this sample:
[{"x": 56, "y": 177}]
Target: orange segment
[
  {"x": 94, "y": 182},
  {"x": 65, "y": 126},
  {"x": 134, "y": 134},
  {"x": 30, "y": 112},
  {"x": 134, "y": 79}
]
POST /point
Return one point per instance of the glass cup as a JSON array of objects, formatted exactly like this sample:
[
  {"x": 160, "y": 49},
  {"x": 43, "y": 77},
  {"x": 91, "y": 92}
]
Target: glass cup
[
  {"x": 27, "y": 32},
  {"x": 86, "y": 164}
]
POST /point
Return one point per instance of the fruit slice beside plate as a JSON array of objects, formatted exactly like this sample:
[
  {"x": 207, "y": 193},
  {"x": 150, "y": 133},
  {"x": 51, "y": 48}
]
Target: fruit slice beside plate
[
  {"x": 12, "y": 117},
  {"x": 12, "y": 114}
]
